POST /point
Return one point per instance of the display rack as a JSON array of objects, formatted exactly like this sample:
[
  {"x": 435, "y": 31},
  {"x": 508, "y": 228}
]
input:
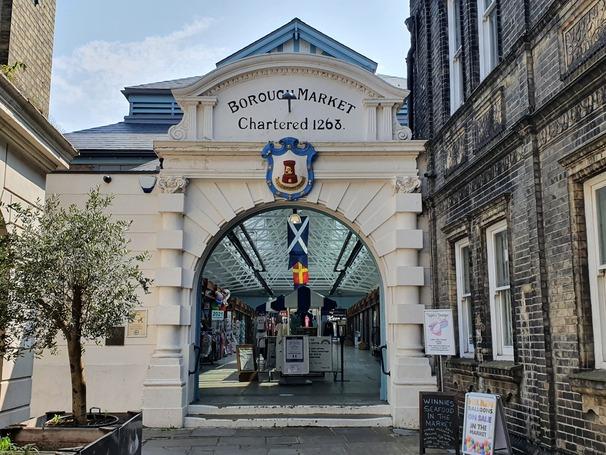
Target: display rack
[
  {"x": 226, "y": 322},
  {"x": 364, "y": 322}
]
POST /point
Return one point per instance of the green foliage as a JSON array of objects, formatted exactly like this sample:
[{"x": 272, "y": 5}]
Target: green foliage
[
  {"x": 55, "y": 420},
  {"x": 56, "y": 256},
  {"x": 6, "y": 445},
  {"x": 10, "y": 70}
]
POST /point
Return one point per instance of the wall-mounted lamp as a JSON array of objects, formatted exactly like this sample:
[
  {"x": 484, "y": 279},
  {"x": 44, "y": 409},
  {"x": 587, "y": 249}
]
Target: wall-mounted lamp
[
  {"x": 147, "y": 183},
  {"x": 294, "y": 218},
  {"x": 107, "y": 178}
]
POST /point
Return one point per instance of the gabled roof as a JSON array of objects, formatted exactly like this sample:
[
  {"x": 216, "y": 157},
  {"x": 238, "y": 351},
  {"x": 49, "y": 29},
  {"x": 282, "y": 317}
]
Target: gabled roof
[
  {"x": 162, "y": 86},
  {"x": 297, "y": 30}
]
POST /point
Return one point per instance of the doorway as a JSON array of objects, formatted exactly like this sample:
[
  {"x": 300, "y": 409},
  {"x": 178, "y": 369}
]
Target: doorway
[{"x": 243, "y": 282}]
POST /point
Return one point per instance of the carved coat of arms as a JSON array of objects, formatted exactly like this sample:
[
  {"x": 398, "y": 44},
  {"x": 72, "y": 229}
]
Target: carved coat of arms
[{"x": 290, "y": 172}]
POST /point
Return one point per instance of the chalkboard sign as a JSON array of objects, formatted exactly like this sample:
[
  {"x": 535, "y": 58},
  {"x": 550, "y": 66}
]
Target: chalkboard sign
[
  {"x": 439, "y": 421},
  {"x": 247, "y": 367}
]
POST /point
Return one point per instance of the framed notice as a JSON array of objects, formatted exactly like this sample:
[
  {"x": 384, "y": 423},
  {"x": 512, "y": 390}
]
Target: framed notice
[
  {"x": 320, "y": 354},
  {"x": 137, "y": 328},
  {"x": 439, "y": 332},
  {"x": 296, "y": 355},
  {"x": 438, "y": 421},
  {"x": 484, "y": 425}
]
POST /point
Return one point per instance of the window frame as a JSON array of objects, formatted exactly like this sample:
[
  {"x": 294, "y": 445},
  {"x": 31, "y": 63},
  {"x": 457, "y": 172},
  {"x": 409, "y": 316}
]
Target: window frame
[
  {"x": 489, "y": 51},
  {"x": 455, "y": 56},
  {"x": 596, "y": 270},
  {"x": 499, "y": 350},
  {"x": 466, "y": 349}
]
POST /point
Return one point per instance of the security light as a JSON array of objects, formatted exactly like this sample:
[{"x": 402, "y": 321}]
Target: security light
[{"x": 147, "y": 183}]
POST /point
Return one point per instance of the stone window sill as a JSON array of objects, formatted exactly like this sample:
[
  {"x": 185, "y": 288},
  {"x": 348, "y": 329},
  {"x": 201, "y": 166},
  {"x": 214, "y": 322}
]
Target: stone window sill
[
  {"x": 589, "y": 382},
  {"x": 462, "y": 365},
  {"x": 500, "y": 370}
]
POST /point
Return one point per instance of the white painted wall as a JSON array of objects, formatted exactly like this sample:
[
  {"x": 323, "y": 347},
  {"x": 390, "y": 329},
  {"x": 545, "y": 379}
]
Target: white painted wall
[
  {"x": 114, "y": 374},
  {"x": 20, "y": 182}
]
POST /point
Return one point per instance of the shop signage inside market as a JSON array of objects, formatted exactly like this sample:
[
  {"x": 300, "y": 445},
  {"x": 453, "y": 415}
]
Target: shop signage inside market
[{"x": 217, "y": 315}]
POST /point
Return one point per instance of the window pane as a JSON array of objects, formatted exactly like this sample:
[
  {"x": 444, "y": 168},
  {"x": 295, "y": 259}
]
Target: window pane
[
  {"x": 501, "y": 259},
  {"x": 457, "y": 24},
  {"x": 487, "y": 4},
  {"x": 504, "y": 306},
  {"x": 494, "y": 39},
  {"x": 601, "y": 215},
  {"x": 466, "y": 281},
  {"x": 467, "y": 323}
]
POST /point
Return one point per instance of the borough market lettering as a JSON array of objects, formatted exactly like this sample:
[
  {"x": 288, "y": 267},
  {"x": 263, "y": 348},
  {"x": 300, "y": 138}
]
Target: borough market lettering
[{"x": 303, "y": 94}]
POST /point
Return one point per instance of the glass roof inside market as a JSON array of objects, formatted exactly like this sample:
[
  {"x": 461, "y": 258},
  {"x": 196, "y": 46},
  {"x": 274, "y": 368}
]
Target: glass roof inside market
[{"x": 252, "y": 258}]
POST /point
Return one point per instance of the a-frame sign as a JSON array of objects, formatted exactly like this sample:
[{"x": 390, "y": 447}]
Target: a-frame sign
[{"x": 484, "y": 425}]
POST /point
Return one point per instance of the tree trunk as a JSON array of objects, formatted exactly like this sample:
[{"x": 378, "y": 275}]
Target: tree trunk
[{"x": 74, "y": 350}]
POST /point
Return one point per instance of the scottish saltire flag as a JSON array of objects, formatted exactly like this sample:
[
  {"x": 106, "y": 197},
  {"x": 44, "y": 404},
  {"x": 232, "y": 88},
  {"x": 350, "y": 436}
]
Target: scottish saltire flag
[{"x": 298, "y": 236}]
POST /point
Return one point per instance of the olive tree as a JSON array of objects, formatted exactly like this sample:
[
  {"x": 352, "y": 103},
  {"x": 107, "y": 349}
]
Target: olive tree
[{"x": 66, "y": 272}]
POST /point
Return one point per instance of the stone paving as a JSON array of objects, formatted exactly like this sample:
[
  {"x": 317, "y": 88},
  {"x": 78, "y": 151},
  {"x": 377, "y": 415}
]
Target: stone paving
[{"x": 280, "y": 441}]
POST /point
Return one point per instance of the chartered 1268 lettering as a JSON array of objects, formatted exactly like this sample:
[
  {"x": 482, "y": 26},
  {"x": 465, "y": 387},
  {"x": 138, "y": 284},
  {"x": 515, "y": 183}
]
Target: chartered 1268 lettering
[{"x": 248, "y": 123}]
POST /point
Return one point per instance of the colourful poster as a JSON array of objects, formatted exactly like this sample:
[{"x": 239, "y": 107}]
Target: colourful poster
[
  {"x": 479, "y": 424},
  {"x": 439, "y": 332}
]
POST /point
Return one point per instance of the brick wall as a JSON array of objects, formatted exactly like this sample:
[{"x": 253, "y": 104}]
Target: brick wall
[
  {"x": 26, "y": 36},
  {"x": 519, "y": 149}
]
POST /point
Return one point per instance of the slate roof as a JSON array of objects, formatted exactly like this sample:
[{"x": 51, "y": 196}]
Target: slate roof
[{"x": 163, "y": 85}]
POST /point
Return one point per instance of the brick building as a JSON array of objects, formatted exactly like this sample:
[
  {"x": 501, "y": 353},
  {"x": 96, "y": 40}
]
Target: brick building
[
  {"x": 512, "y": 98},
  {"x": 26, "y": 36}
]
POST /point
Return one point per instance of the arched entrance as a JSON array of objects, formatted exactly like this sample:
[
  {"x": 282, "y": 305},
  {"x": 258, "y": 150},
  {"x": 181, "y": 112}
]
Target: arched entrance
[
  {"x": 257, "y": 236},
  {"x": 213, "y": 175}
]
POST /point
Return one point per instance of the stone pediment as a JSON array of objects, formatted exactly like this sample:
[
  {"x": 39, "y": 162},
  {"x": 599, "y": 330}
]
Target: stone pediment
[{"x": 331, "y": 100}]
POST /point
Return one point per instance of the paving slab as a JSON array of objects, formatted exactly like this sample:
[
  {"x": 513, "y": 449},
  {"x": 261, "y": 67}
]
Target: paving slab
[{"x": 281, "y": 441}]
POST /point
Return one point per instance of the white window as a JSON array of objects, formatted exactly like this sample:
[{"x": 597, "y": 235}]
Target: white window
[
  {"x": 464, "y": 310},
  {"x": 455, "y": 52},
  {"x": 500, "y": 293},
  {"x": 595, "y": 212},
  {"x": 488, "y": 35}
]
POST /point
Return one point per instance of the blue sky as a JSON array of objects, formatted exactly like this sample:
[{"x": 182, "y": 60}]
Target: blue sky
[{"x": 102, "y": 46}]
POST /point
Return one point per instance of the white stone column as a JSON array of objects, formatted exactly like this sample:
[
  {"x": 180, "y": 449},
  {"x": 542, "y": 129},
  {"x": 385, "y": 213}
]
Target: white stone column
[
  {"x": 164, "y": 388},
  {"x": 370, "y": 107},
  {"x": 208, "y": 103},
  {"x": 386, "y": 121},
  {"x": 410, "y": 369}
]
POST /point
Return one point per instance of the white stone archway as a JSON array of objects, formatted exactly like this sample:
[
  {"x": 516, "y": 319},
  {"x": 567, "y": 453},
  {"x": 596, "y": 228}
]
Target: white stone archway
[{"x": 211, "y": 184}]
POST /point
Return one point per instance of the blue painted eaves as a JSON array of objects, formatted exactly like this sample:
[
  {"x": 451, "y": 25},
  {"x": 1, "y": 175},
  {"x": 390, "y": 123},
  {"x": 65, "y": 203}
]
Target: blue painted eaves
[{"x": 297, "y": 29}]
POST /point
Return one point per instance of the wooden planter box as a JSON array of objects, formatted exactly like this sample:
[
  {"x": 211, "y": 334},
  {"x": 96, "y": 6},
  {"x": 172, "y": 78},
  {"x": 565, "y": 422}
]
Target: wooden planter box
[{"x": 123, "y": 438}]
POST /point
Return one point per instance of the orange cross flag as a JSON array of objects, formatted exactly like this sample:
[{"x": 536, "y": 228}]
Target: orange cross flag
[{"x": 300, "y": 274}]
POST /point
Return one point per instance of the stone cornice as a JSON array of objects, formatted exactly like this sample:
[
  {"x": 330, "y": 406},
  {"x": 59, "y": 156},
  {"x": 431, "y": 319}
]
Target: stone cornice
[
  {"x": 381, "y": 161},
  {"x": 176, "y": 149},
  {"x": 285, "y": 63},
  {"x": 27, "y": 128}
]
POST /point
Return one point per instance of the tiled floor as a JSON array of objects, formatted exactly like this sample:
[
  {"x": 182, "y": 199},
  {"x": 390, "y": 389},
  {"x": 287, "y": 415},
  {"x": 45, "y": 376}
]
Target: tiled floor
[
  {"x": 286, "y": 441},
  {"x": 220, "y": 386}
]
